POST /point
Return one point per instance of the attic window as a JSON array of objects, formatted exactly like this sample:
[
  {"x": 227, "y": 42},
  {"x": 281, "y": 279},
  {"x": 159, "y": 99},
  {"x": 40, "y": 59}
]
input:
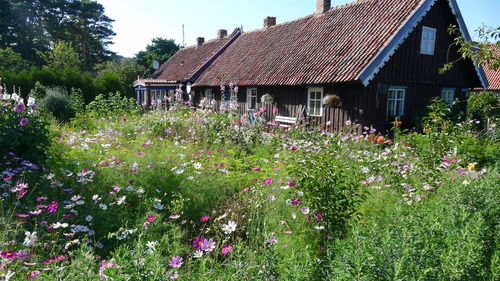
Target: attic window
[{"x": 428, "y": 41}]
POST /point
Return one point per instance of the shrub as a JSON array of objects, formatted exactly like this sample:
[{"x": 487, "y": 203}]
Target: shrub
[
  {"x": 484, "y": 106},
  {"x": 114, "y": 105},
  {"x": 58, "y": 104},
  {"x": 22, "y": 131}
]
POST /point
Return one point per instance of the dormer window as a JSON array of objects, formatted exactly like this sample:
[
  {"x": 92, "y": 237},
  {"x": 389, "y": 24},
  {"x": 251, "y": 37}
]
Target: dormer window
[{"x": 428, "y": 41}]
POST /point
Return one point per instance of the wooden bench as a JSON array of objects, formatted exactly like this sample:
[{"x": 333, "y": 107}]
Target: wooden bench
[{"x": 286, "y": 122}]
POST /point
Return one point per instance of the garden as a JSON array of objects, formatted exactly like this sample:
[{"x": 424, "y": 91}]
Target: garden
[{"x": 106, "y": 191}]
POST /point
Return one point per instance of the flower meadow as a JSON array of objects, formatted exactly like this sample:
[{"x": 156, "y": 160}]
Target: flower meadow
[{"x": 196, "y": 195}]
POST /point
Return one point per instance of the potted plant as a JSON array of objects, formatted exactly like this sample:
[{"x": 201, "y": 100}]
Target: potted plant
[{"x": 332, "y": 100}]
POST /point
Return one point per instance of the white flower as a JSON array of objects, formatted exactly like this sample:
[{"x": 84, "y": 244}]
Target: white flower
[
  {"x": 30, "y": 239},
  {"x": 103, "y": 206},
  {"x": 179, "y": 171},
  {"x": 7, "y": 276},
  {"x": 198, "y": 254},
  {"x": 305, "y": 210},
  {"x": 319, "y": 227},
  {"x": 129, "y": 188},
  {"x": 58, "y": 224},
  {"x": 99, "y": 245},
  {"x": 121, "y": 200},
  {"x": 96, "y": 198},
  {"x": 89, "y": 218},
  {"x": 229, "y": 227},
  {"x": 197, "y": 165}
]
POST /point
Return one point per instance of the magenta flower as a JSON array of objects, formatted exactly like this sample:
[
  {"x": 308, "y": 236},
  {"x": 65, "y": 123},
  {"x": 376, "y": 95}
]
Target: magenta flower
[
  {"x": 256, "y": 169},
  {"x": 52, "y": 208},
  {"x": 226, "y": 249},
  {"x": 273, "y": 241},
  {"x": 275, "y": 110},
  {"x": 198, "y": 242},
  {"x": 175, "y": 262},
  {"x": 204, "y": 218},
  {"x": 151, "y": 218},
  {"x": 8, "y": 254},
  {"x": 295, "y": 201},
  {"x": 24, "y": 122},
  {"x": 268, "y": 181}
]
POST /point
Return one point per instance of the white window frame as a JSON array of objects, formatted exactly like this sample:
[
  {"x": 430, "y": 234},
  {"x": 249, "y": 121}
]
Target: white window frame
[
  {"x": 428, "y": 41},
  {"x": 448, "y": 95},
  {"x": 252, "y": 94},
  {"x": 314, "y": 111},
  {"x": 398, "y": 105}
]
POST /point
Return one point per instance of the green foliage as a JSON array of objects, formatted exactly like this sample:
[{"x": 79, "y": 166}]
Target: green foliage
[
  {"x": 62, "y": 55},
  {"x": 108, "y": 82},
  {"x": 452, "y": 236},
  {"x": 438, "y": 119},
  {"x": 332, "y": 188},
  {"x": 114, "y": 104},
  {"x": 484, "y": 106},
  {"x": 483, "y": 52},
  {"x": 127, "y": 69},
  {"x": 11, "y": 61},
  {"x": 160, "y": 50}
]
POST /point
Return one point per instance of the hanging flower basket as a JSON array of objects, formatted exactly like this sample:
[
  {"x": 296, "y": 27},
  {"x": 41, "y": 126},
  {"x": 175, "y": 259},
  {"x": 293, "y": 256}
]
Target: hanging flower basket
[
  {"x": 332, "y": 100},
  {"x": 267, "y": 99}
]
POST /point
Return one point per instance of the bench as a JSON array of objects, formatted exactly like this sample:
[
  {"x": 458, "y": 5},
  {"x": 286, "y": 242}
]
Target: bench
[{"x": 286, "y": 122}]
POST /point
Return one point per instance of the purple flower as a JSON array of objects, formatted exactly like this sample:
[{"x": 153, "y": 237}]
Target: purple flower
[
  {"x": 273, "y": 241},
  {"x": 20, "y": 107},
  {"x": 208, "y": 245},
  {"x": 8, "y": 254},
  {"x": 198, "y": 242},
  {"x": 295, "y": 201},
  {"x": 175, "y": 262},
  {"x": 226, "y": 249},
  {"x": 52, "y": 208},
  {"x": 24, "y": 122},
  {"x": 33, "y": 275},
  {"x": 268, "y": 181}
]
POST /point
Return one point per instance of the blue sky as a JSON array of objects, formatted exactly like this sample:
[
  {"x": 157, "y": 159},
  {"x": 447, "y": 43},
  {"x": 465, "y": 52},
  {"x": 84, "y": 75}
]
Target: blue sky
[{"x": 137, "y": 22}]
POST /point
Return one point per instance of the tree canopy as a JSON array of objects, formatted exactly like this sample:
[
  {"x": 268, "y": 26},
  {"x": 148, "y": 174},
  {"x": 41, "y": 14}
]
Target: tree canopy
[{"x": 159, "y": 50}]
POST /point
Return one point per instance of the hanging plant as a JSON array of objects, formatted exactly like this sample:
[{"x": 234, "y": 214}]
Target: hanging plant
[
  {"x": 332, "y": 100},
  {"x": 267, "y": 99}
]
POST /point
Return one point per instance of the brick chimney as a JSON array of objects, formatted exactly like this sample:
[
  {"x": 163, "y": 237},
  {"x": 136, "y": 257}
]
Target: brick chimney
[
  {"x": 221, "y": 33},
  {"x": 322, "y": 6},
  {"x": 269, "y": 21},
  {"x": 200, "y": 40}
]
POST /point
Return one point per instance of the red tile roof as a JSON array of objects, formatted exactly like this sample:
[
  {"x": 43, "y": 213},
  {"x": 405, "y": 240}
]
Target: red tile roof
[
  {"x": 334, "y": 47},
  {"x": 186, "y": 62},
  {"x": 493, "y": 76}
]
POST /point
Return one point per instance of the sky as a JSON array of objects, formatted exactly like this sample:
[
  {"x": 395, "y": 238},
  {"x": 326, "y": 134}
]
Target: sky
[{"x": 137, "y": 22}]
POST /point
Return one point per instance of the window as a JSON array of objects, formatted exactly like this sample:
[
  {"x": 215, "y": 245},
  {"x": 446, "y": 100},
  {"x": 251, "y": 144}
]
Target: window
[
  {"x": 396, "y": 101},
  {"x": 209, "y": 95},
  {"x": 315, "y": 102},
  {"x": 448, "y": 96},
  {"x": 428, "y": 41},
  {"x": 154, "y": 95},
  {"x": 171, "y": 96},
  {"x": 252, "y": 98}
]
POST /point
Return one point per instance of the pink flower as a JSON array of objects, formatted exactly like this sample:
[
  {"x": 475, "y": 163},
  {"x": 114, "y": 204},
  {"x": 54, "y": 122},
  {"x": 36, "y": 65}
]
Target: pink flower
[
  {"x": 8, "y": 254},
  {"x": 33, "y": 275},
  {"x": 198, "y": 242},
  {"x": 151, "y": 218},
  {"x": 174, "y": 217},
  {"x": 293, "y": 148},
  {"x": 273, "y": 241},
  {"x": 275, "y": 110},
  {"x": 256, "y": 169},
  {"x": 24, "y": 122},
  {"x": 268, "y": 181},
  {"x": 226, "y": 249},
  {"x": 175, "y": 262},
  {"x": 204, "y": 218}
]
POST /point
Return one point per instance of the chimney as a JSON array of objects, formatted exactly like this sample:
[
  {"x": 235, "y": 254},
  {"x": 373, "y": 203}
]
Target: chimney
[
  {"x": 269, "y": 21},
  {"x": 322, "y": 6},
  {"x": 200, "y": 40},
  {"x": 221, "y": 33}
]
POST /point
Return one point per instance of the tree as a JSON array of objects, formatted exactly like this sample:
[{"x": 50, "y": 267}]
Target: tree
[
  {"x": 11, "y": 61},
  {"x": 484, "y": 52},
  {"x": 160, "y": 50},
  {"x": 127, "y": 70},
  {"x": 62, "y": 55}
]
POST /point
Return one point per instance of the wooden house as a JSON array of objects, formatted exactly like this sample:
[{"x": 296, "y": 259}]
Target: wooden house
[{"x": 380, "y": 57}]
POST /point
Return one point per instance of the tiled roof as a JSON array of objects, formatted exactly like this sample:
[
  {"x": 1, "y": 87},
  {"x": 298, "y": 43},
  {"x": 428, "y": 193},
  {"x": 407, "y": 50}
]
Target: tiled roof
[
  {"x": 186, "y": 62},
  {"x": 334, "y": 47},
  {"x": 493, "y": 76}
]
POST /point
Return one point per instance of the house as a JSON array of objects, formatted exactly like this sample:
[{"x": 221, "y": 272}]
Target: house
[
  {"x": 380, "y": 57},
  {"x": 493, "y": 76}
]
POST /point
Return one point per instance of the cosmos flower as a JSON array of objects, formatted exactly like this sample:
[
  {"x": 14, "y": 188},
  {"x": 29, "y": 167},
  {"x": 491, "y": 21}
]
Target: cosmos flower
[
  {"x": 226, "y": 249},
  {"x": 229, "y": 227},
  {"x": 175, "y": 262},
  {"x": 208, "y": 245}
]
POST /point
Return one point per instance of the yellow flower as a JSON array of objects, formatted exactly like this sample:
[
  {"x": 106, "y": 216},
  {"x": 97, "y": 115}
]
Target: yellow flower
[{"x": 471, "y": 166}]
